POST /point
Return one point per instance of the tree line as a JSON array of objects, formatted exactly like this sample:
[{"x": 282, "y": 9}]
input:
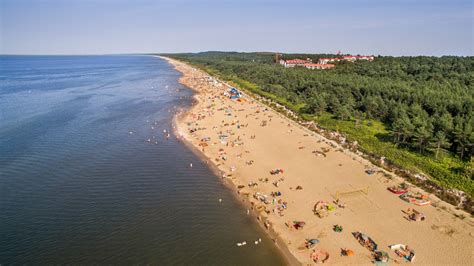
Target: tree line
[{"x": 427, "y": 102}]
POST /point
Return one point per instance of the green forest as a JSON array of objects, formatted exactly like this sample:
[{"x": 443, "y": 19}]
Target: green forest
[{"x": 415, "y": 111}]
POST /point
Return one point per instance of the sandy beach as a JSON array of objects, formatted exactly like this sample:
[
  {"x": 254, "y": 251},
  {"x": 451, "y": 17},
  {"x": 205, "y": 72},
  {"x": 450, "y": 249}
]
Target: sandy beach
[{"x": 282, "y": 170}]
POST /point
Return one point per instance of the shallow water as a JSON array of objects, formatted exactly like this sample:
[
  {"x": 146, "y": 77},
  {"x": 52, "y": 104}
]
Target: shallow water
[{"x": 81, "y": 183}]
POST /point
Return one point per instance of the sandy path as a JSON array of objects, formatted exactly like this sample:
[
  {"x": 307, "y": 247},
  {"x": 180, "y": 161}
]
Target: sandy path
[{"x": 440, "y": 240}]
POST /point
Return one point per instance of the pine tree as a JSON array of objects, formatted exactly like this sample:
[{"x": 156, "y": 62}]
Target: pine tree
[
  {"x": 462, "y": 135},
  {"x": 439, "y": 141},
  {"x": 423, "y": 132}
]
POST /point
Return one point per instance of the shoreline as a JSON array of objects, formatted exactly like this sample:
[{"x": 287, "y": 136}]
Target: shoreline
[
  {"x": 284, "y": 235},
  {"x": 283, "y": 249}
]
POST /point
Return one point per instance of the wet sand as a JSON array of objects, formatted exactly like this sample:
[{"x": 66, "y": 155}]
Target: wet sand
[{"x": 244, "y": 140}]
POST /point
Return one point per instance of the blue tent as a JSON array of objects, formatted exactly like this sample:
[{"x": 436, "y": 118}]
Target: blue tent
[{"x": 234, "y": 93}]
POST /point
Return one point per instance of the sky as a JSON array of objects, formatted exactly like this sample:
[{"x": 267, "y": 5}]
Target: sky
[{"x": 378, "y": 27}]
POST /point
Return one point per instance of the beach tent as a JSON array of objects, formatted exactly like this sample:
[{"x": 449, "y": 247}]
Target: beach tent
[
  {"x": 313, "y": 241},
  {"x": 234, "y": 94},
  {"x": 309, "y": 243}
]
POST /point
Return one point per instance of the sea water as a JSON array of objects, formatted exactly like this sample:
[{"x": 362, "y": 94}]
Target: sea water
[{"x": 88, "y": 175}]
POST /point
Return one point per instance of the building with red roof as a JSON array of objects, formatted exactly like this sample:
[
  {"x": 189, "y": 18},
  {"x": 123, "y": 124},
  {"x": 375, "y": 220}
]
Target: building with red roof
[
  {"x": 294, "y": 62},
  {"x": 318, "y": 66},
  {"x": 323, "y": 63},
  {"x": 328, "y": 60},
  {"x": 350, "y": 58}
]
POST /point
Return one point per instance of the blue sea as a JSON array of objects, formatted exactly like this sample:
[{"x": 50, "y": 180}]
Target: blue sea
[{"x": 88, "y": 175}]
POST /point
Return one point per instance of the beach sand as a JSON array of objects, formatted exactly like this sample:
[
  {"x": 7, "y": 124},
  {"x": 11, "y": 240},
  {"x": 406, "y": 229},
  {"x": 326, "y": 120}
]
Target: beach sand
[{"x": 245, "y": 140}]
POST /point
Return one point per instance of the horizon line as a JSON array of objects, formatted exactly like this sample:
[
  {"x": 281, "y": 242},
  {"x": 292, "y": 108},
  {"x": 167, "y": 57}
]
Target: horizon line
[{"x": 247, "y": 52}]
